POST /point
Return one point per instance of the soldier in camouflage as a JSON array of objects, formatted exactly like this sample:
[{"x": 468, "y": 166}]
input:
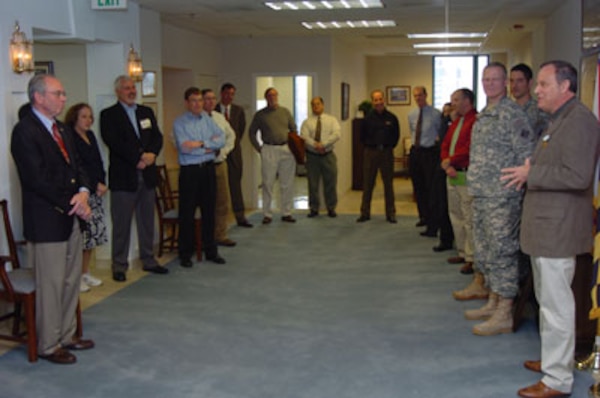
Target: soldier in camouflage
[
  {"x": 521, "y": 81},
  {"x": 501, "y": 136}
]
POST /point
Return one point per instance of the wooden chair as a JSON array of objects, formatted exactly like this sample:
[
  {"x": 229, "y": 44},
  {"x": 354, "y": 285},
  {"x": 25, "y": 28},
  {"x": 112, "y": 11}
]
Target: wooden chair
[
  {"x": 168, "y": 215},
  {"x": 18, "y": 288}
]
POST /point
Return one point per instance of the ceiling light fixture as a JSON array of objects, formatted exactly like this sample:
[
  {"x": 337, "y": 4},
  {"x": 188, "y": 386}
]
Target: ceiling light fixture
[
  {"x": 446, "y": 52},
  {"x": 446, "y": 35},
  {"x": 349, "y": 24},
  {"x": 134, "y": 65},
  {"x": 446, "y": 45},
  {"x": 322, "y": 5}
]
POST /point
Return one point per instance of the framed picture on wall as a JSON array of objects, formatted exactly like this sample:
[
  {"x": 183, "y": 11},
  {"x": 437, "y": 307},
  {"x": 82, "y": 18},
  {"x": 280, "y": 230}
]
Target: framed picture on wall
[
  {"x": 397, "y": 95},
  {"x": 345, "y": 101},
  {"x": 149, "y": 84},
  {"x": 46, "y": 67}
]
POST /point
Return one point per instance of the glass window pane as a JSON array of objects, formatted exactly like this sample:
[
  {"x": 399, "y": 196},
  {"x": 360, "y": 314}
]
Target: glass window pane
[{"x": 449, "y": 74}]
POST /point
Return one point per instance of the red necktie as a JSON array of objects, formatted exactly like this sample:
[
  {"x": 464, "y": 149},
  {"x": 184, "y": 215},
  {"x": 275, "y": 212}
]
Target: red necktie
[{"x": 61, "y": 144}]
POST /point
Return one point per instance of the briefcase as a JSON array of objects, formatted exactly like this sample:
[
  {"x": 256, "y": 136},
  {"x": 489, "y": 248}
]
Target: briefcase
[{"x": 296, "y": 145}]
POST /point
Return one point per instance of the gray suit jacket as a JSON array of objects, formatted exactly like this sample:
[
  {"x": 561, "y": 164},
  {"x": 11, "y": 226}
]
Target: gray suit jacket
[{"x": 558, "y": 212}]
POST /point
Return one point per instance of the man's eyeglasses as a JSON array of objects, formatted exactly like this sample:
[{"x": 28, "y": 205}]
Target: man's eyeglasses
[{"x": 58, "y": 93}]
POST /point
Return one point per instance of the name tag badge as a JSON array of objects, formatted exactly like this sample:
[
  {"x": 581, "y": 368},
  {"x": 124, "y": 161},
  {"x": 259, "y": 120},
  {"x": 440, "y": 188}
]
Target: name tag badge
[{"x": 145, "y": 123}]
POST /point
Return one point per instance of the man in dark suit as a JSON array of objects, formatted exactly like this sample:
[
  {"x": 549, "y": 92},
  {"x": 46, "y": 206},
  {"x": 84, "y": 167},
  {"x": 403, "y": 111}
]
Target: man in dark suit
[
  {"x": 55, "y": 192},
  {"x": 237, "y": 119},
  {"x": 557, "y": 220},
  {"x": 132, "y": 135}
]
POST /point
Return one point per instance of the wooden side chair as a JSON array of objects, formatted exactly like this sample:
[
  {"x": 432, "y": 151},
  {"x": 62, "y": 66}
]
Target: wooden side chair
[
  {"x": 168, "y": 215},
  {"x": 17, "y": 287}
]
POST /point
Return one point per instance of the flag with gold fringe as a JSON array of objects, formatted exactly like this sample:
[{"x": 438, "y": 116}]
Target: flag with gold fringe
[{"x": 595, "y": 311}]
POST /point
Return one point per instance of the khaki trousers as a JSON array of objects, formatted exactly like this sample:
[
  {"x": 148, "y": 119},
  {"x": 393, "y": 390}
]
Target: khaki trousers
[
  {"x": 460, "y": 211},
  {"x": 222, "y": 205}
]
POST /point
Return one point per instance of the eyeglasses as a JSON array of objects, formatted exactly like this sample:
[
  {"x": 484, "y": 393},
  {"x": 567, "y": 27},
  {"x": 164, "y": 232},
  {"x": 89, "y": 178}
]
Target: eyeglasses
[{"x": 58, "y": 93}]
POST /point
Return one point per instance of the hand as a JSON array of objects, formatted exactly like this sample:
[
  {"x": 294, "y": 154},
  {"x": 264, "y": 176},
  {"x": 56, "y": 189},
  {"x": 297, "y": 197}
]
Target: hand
[
  {"x": 81, "y": 208},
  {"x": 516, "y": 176},
  {"x": 141, "y": 165},
  {"x": 451, "y": 172},
  {"x": 148, "y": 158},
  {"x": 101, "y": 189},
  {"x": 319, "y": 148},
  {"x": 188, "y": 146}
]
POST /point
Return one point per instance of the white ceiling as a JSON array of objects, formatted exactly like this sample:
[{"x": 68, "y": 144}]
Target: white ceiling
[{"x": 245, "y": 18}]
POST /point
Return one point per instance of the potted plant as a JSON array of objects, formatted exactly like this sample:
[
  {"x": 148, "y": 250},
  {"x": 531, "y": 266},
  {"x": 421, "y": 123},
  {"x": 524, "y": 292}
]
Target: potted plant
[{"x": 365, "y": 107}]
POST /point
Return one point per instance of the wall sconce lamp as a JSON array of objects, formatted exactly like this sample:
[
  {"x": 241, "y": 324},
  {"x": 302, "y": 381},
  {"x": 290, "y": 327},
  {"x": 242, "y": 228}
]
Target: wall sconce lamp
[
  {"x": 134, "y": 65},
  {"x": 21, "y": 51}
]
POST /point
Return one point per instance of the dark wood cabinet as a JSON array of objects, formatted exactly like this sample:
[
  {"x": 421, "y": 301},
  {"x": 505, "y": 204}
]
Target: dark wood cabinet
[{"x": 357, "y": 156}]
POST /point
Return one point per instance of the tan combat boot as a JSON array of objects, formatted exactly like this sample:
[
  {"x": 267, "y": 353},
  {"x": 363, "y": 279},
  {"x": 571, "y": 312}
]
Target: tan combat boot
[
  {"x": 500, "y": 322},
  {"x": 486, "y": 311},
  {"x": 476, "y": 289}
]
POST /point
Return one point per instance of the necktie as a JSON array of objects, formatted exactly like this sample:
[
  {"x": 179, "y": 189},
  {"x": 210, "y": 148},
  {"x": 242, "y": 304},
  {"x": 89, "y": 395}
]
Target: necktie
[
  {"x": 61, "y": 144},
  {"x": 418, "y": 128},
  {"x": 455, "y": 135},
  {"x": 318, "y": 130},
  {"x": 227, "y": 113}
]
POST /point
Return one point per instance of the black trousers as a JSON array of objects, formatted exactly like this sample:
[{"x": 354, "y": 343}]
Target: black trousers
[
  {"x": 438, "y": 208},
  {"x": 422, "y": 164},
  {"x": 197, "y": 188}
]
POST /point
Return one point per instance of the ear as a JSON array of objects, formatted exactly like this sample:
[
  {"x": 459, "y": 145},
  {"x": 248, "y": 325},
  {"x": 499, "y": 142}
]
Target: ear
[{"x": 564, "y": 86}]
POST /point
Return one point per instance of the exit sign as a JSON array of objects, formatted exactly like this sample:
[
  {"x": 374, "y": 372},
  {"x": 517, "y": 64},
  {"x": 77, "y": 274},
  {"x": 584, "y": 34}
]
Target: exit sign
[{"x": 109, "y": 4}]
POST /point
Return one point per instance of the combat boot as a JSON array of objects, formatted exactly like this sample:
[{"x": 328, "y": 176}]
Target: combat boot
[
  {"x": 500, "y": 322},
  {"x": 484, "y": 312},
  {"x": 476, "y": 289}
]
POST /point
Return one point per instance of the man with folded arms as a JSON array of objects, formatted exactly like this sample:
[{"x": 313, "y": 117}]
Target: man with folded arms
[
  {"x": 455, "y": 162},
  {"x": 197, "y": 138},
  {"x": 55, "y": 192},
  {"x": 274, "y": 122},
  {"x": 557, "y": 222}
]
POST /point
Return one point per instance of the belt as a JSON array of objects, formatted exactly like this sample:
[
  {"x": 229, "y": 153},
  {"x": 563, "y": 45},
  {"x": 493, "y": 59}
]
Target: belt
[
  {"x": 318, "y": 154},
  {"x": 274, "y": 144},
  {"x": 424, "y": 148},
  {"x": 378, "y": 147},
  {"x": 199, "y": 165},
  {"x": 461, "y": 168}
]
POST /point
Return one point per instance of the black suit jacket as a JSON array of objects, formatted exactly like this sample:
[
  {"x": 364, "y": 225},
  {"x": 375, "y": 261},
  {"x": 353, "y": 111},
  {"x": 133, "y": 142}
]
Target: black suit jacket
[
  {"x": 48, "y": 181},
  {"x": 126, "y": 148},
  {"x": 237, "y": 120}
]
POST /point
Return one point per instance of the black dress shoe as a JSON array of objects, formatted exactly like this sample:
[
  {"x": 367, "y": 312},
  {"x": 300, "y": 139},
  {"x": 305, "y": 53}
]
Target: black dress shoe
[
  {"x": 216, "y": 259},
  {"x": 244, "y": 223},
  {"x": 288, "y": 219},
  {"x": 420, "y": 223},
  {"x": 363, "y": 218},
  {"x": 186, "y": 263},
  {"x": 428, "y": 234},
  {"x": 60, "y": 356},
  {"x": 442, "y": 247},
  {"x": 267, "y": 220},
  {"x": 392, "y": 220},
  {"x": 312, "y": 213},
  {"x": 119, "y": 276},
  {"x": 331, "y": 213},
  {"x": 156, "y": 269},
  {"x": 80, "y": 344}
]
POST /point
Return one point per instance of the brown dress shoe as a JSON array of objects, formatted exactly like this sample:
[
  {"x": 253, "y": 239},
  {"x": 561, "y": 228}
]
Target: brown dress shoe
[
  {"x": 60, "y": 356},
  {"x": 227, "y": 242},
  {"x": 456, "y": 260},
  {"x": 80, "y": 344},
  {"x": 540, "y": 390},
  {"x": 534, "y": 366},
  {"x": 467, "y": 269}
]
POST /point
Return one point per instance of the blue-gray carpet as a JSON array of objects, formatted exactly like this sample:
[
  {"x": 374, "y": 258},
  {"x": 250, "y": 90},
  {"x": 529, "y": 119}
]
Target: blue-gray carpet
[{"x": 324, "y": 308}]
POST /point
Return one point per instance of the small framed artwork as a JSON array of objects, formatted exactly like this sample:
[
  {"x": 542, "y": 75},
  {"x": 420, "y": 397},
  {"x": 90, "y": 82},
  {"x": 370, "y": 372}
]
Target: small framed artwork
[
  {"x": 149, "y": 84},
  {"x": 46, "y": 67},
  {"x": 345, "y": 101},
  {"x": 397, "y": 95}
]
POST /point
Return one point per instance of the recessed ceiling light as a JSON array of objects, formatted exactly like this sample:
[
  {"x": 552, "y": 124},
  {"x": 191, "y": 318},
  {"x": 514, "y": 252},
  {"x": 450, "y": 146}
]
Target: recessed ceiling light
[
  {"x": 445, "y": 52},
  {"x": 446, "y": 45},
  {"x": 446, "y": 35},
  {"x": 349, "y": 24},
  {"x": 322, "y": 5}
]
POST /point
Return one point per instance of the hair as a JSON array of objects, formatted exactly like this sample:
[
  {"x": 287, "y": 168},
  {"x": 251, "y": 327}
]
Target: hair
[
  {"x": 119, "y": 80},
  {"x": 468, "y": 94},
  {"x": 526, "y": 70},
  {"x": 37, "y": 84},
  {"x": 564, "y": 71},
  {"x": 422, "y": 88},
  {"x": 498, "y": 65},
  {"x": 377, "y": 91},
  {"x": 227, "y": 86},
  {"x": 73, "y": 114},
  {"x": 191, "y": 91},
  {"x": 319, "y": 98},
  {"x": 206, "y": 91},
  {"x": 269, "y": 89}
]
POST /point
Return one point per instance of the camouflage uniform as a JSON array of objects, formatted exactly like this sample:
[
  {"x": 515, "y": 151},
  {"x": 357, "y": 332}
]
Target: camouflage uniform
[
  {"x": 537, "y": 118},
  {"x": 502, "y": 137}
]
